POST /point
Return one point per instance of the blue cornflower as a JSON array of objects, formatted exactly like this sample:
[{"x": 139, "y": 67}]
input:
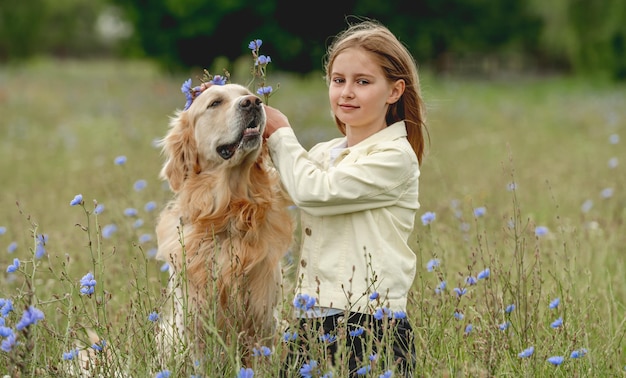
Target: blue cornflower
[
  {"x": 288, "y": 336},
  {"x": 87, "y": 284},
  {"x": 613, "y": 162},
  {"x": 150, "y": 206},
  {"x": 328, "y": 338},
  {"x": 541, "y": 231},
  {"x": 163, "y": 374},
  {"x": 5, "y": 331},
  {"x": 138, "y": 223},
  {"x": 6, "y": 306},
  {"x": 399, "y": 315},
  {"x": 13, "y": 267},
  {"x": 153, "y": 317},
  {"x": 555, "y": 303},
  {"x": 356, "y": 332},
  {"x": 165, "y": 267},
  {"x": 509, "y": 308},
  {"x": 31, "y": 316},
  {"x": 264, "y": 90},
  {"x": 557, "y": 323},
  {"x": 607, "y": 193},
  {"x": 387, "y": 374},
  {"x": 218, "y": 80},
  {"x": 556, "y": 360},
  {"x": 99, "y": 345},
  {"x": 108, "y": 230},
  {"x": 442, "y": 286},
  {"x": 428, "y": 217},
  {"x": 152, "y": 252},
  {"x": 99, "y": 209},
  {"x": 12, "y": 247},
  {"x": 121, "y": 160},
  {"x": 468, "y": 328},
  {"x": 526, "y": 352},
  {"x": 78, "y": 199},
  {"x": 3, "y": 230},
  {"x": 304, "y": 302},
  {"x": 374, "y": 296},
  {"x": 255, "y": 44},
  {"x": 480, "y": 211},
  {"x": 504, "y": 326},
  {"x": 586, "y": 206},
  {"x": 263, "y": 351},
  {"x": 614, "y": 139},
  {"x": 40, "y": 250},
  {"x": 484, "y": 274},
  {"x": 460, "y": 291},
  {"x": 471, "y": 280},
  {"x": 458, "y": 315},
  {"x": 363, "y": 370},
  {"x": 130, "y": 212},
  {"x": 145, "y": 238},
  {"x": 432, "y": 264},
  {"x": 245, "y": 373},
  {"x": 381, "y": 313},
  {"x": 262, "y": 59},
  {"x": 511, "y": 186},
  {"x": 68, "y": 356},
  {"x": 140, "y": 185},
  {"x": 307, "y": 370},
  {"x": 8, "y": 343},
  {"x": 578, "y": 353}
]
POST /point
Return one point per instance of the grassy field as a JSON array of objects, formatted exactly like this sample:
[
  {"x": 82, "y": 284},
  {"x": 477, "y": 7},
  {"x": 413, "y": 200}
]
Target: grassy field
[{"x": 524, "y": 176}]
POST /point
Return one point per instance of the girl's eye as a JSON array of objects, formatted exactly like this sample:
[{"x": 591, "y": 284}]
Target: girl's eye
[
  {"x": 338, "y": 80},
  {"x": 363, "y": 82}
]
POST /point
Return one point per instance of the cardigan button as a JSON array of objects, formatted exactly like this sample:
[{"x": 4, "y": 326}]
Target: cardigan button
[{"x": 307, "y": 231}]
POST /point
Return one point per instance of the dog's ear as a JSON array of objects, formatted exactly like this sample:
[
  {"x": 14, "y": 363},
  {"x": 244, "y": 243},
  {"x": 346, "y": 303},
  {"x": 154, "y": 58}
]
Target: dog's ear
[{"x": 179, "y": 147}]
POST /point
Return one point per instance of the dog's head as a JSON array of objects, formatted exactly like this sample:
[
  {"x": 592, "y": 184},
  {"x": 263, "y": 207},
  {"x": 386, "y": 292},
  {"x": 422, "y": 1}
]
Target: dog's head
[{"x": 223, "y": 127}]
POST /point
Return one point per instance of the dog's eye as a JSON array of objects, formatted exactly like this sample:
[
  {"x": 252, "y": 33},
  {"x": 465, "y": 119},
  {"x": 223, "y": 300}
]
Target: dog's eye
[{"x": 214, "y": 103}]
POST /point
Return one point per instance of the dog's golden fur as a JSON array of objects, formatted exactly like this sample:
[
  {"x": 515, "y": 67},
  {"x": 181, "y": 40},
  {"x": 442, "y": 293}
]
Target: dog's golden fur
[{"x": 227, "y": 227}]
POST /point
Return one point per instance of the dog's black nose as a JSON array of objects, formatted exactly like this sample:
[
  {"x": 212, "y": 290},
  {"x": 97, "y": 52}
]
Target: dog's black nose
[{"x": 250, "y": 102}]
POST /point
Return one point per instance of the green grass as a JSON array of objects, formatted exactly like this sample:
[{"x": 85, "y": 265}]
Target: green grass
[{"x": 63, "y": 123}]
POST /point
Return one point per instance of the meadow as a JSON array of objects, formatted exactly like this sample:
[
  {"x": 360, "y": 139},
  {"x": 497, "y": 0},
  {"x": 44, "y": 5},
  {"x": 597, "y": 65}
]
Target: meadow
[{"x": 520, "y": 237}]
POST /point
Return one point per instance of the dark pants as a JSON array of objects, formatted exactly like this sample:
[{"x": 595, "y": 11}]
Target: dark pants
[{"x": 398, "y": 333}]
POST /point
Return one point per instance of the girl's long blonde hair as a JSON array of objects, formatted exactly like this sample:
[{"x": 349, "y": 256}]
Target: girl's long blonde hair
[{"x": 397, "y": 63}]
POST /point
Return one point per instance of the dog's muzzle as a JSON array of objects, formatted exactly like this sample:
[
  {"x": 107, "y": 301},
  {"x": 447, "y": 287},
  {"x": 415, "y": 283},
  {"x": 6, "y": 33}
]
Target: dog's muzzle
[{"x": 251, "y": 109}]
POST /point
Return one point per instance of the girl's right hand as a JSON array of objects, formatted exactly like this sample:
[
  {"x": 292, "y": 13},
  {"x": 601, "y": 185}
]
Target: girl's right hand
[{"x": 275, "y": 120}]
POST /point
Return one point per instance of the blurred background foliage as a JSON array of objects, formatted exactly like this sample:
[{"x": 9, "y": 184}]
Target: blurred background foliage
[{"x": 579, "y": 37}]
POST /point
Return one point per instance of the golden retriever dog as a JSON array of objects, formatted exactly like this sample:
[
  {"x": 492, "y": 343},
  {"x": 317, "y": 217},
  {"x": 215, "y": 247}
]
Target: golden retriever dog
[{"x": 227, "y": 227}]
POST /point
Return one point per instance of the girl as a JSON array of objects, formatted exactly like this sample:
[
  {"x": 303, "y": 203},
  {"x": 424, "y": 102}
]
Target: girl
[{"x": 358, "y": 195}]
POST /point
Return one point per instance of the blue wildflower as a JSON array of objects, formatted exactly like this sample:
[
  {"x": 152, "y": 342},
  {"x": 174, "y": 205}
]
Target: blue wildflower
[
  {"x": 440, "y": 289},
  {"x": 3, "y": 230},
  {"x": 108, "y": 231},
  {"x": 165, "y": 267},
  {"x": 526, "y": 352},
  {"x": 374, "y": 296},
  {"x": 87, "y": 284},
  {"x": 263, "y": 351},
  {"x": 288, "y": 336},
  {"x": 262, "y": 60},
  {"x": 387, "y": 374},
  {"x": 8, "y": 343},
  {"x": 607, "y": 193},
  {"x": 245, "y": 373},
  {"x": 460, "y": 291},
  {"x": 363, "y": 370},
  {"x": 99, "y": 209},
  {"x": 153, "y": 317},
  {"x": 150, "y": 206},
  {"x": 255, "y": 44},
  {"x": 307, "y": 370},
  {"x": 432, "y": 264},
  {"x": 541, "y": 231},
  {"x": 556, "y": 360},
  {"x": 468, "y": 328},
  {"x": 5, "y": 331},
  {"x": 130, "y": 212},
  {"x": 428, "y": 217},
  {"x": 613, "y": 163},
  {"x": 399, "y": 315},
  {"x": 480, "y": 211},
  {"x": 304, "y": 302},
  {"x": 6, "y": 306},
  {"x": 484, "y": 274},
  {"x": 138, "y": 223},
  {"x": 586, "y": 206},
  {"x": 511, "y": 186},
  {"x": 557, "y": 323},
  {"x": 458, "y": 315},
  {"x": 356, "y": 332},
  {"x": 40, "y": 250},
  {"x": 78, "y": 199},
  {"x": 264, "y": 90},
  {"x": 578, "y": 353},
  {"x": 163, "y": 374},
  {"x": 218, "y": 80},
  {"x": 145, "y": 238},
  {"x": 68, "y": 356},
  {"x": 14, "y": 267},
  {"x": 121, "y": 160},
  {"x": 509, "y": 308},
  {"x": 381, "y": 313},
  {"x": 504, "y": 326},
  {"x": 614, "y": 139},
  {"x": 140, "y": 185},
  {"x": 471, "y": 280},
  {"x": 98, "y": 346},
  {"x": 328, "y": 338},
  {"x": 30, "y": 317},
  {"x": 555, "y": 303}
]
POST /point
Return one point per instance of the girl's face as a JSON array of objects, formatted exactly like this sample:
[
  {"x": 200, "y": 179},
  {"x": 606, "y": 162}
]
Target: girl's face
[{"x": 359, "y": 92}]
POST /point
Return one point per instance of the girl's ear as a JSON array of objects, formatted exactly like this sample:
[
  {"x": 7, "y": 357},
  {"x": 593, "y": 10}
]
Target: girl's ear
[{"x": 397, "y": 89}]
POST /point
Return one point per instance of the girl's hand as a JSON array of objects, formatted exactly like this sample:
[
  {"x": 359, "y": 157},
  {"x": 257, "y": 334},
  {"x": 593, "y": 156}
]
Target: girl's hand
[{"x": 275, "y": 120}]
